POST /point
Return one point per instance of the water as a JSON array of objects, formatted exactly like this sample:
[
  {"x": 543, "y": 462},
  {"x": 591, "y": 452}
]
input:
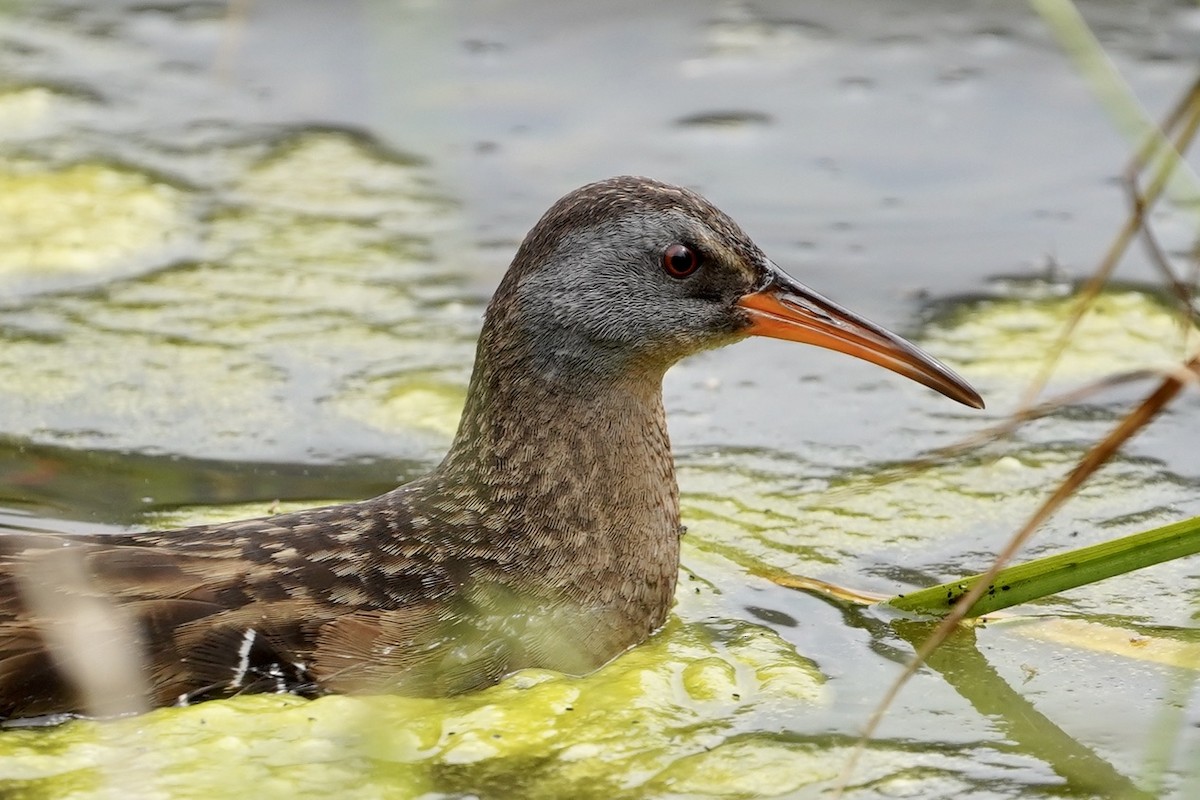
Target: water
[{"x": 243, "y": 257}]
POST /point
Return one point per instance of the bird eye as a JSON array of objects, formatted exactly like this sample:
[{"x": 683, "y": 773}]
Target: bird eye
[{"x": 679, "y": 260}]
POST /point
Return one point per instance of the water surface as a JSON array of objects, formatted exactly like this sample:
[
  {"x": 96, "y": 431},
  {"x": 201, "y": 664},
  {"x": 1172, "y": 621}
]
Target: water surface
[{"x": 243, "y": 259}]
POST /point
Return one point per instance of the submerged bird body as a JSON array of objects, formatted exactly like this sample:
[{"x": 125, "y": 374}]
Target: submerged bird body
[{"x": 547, "y": 537}]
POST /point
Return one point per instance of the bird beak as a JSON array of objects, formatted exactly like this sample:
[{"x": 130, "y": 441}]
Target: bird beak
[{"x": 785, "y": 309}]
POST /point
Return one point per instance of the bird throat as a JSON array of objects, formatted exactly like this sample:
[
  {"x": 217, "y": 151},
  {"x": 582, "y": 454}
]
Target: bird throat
[{"x": 577, "y": 477}]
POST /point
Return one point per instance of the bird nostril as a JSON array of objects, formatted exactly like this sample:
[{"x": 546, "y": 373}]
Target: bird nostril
[{"x": 811, "y": 310}]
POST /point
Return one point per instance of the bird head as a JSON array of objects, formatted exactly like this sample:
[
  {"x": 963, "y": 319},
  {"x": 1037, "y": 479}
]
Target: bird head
[{"x": 633, "y": 274}]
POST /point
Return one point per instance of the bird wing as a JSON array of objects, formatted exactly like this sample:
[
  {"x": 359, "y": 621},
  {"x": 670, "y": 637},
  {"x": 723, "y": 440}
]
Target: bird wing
[{"x": 296, "y": 602}]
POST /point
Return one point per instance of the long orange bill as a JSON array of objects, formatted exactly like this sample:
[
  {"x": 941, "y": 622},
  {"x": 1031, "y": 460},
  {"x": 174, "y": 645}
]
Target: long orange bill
[{"x": 785, "y": 309}]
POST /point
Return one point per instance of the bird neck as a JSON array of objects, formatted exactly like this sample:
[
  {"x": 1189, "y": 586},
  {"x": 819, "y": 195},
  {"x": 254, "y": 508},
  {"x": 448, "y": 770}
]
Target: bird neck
[
  {"x": 562, "y": 489},
  {"x": 556, "y": 420},
  {"x": 567, "y": 456}
]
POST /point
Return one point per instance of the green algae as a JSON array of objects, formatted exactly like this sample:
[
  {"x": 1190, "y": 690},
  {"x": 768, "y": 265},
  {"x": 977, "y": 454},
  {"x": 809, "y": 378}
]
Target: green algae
[
  {"x": 183, "y": 516},
  {"x": 655, "y": 719},
  {"x": 682, "y": 715},
  {"x": 399, "y": 358},
  {"x": 25, "y": 107},
  {"x": 1004, "y": 341},
  {"x": 84, "y": 218},
  {"x": 622, "y": 731},
  {"x": 430, "y": 401},
  {"x": 770, "y": 511},
  {"x": 896, "y": 514},
  {"x": 34, "y": 110},
  {"x": 323, "y": 172},
  {"x": 313, "y": 269}
]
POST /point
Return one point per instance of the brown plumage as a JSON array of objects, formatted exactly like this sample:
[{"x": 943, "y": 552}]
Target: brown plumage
[{"x": 548, "y": 536}]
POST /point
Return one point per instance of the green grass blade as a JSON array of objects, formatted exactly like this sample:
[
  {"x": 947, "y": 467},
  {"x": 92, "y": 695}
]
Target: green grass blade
[{"x": 1058, "y": 573}]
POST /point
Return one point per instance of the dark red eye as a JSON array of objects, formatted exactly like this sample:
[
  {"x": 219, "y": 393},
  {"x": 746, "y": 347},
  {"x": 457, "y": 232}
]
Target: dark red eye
[{"x": 679, "y": 260}]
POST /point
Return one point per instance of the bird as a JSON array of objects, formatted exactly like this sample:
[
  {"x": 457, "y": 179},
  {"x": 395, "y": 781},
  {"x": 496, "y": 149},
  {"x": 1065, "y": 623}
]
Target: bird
[{"x": 548, "y": 536}]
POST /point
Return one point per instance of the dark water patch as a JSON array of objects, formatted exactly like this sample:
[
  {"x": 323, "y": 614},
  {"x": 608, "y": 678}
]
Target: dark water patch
[
  {"x": 115, "y": 487},
  {"x": 725, "y": 119}
]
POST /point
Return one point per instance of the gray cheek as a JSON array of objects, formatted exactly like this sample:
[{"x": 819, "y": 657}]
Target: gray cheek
[
  {"x": 604, "y": 284},
  {"x": 593, "y": 290}
]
